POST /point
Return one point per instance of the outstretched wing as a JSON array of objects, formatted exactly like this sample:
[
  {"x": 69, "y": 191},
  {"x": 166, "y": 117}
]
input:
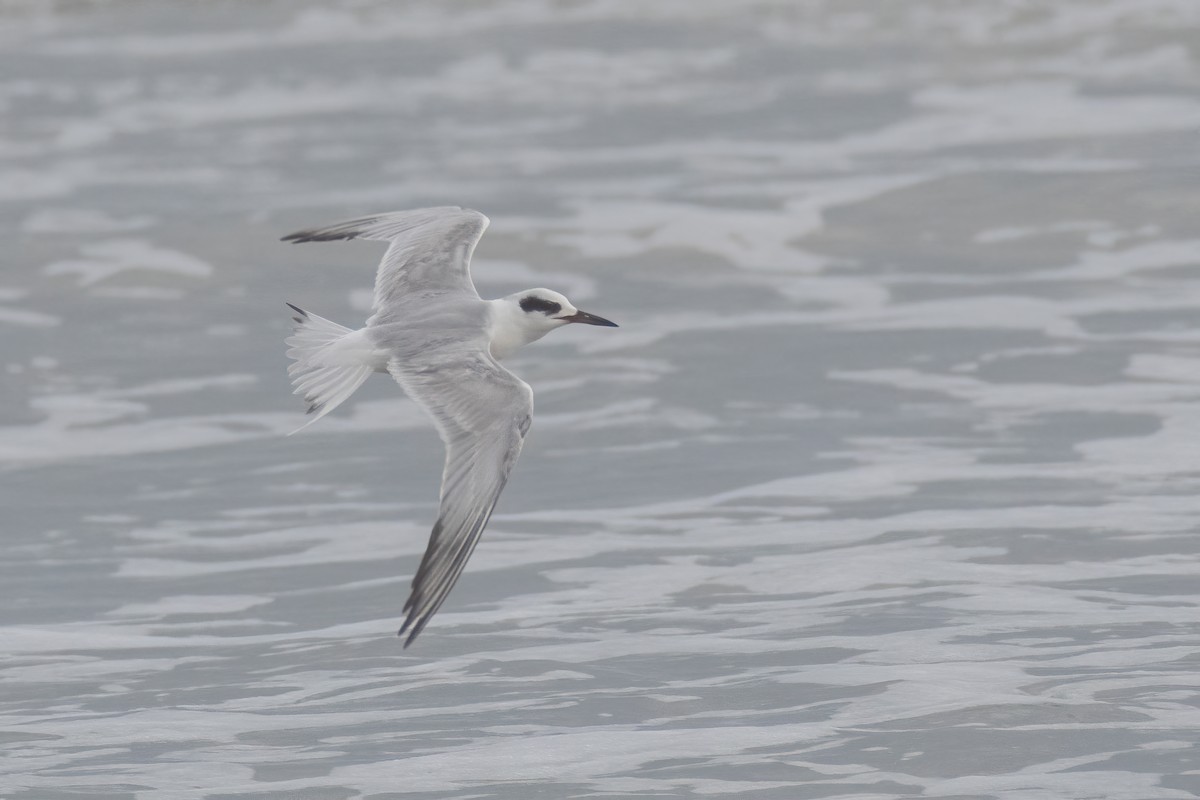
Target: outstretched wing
[
  {"x": 482, "y": 412},
  {"x": 430, "y": 249}
]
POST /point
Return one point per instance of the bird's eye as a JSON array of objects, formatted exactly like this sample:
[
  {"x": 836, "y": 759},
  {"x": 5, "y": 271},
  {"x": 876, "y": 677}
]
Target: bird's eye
[{"x": 532, "y": 303}]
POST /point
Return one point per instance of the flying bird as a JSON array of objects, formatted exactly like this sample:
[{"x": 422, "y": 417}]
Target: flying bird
[{"x": 442, "y": 342}]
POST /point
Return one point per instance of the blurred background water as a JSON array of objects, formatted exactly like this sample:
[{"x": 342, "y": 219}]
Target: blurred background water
[{"x": 886, "y": 486}]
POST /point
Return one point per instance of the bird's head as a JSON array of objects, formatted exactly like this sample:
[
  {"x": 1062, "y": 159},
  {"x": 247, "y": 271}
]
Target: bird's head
[
  {"x": 527, "y": 316},
  {"x": 543, "y": 310}
]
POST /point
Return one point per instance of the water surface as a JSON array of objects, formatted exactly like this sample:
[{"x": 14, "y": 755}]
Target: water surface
[{"x": 886, "y": 487}]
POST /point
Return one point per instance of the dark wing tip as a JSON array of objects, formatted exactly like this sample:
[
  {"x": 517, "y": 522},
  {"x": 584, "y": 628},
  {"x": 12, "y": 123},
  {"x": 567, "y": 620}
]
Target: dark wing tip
[
  {"x": 299, "y": 237},
  {"x": 414, "y": 620},
  {"x": 323, "y": 235},
  {"x": 297, "y": 309},
  {"x": 416, "y": 629}
]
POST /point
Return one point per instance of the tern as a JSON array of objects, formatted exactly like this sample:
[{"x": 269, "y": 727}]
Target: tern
[{"x": 442, "y": 343}]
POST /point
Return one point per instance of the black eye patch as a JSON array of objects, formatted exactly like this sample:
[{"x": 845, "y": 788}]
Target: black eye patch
[{"x": 538, "y": 304}]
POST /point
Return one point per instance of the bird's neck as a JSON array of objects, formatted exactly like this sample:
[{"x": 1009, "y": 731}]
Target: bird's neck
[{"x": 509, "y": 329}]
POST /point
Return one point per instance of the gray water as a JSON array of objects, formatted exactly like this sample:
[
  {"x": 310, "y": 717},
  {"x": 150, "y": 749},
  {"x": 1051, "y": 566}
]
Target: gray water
[{"x": 886, "y": 487}]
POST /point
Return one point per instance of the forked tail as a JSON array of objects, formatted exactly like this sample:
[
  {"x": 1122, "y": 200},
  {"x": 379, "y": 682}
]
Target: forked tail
[{"x": 324, "y": 374}]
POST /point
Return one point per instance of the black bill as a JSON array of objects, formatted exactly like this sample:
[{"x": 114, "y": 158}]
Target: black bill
[{"x": 589, "y": 319}]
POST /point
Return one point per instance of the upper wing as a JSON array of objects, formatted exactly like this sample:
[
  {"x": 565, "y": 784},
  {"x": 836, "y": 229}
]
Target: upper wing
[
  {"x": 482, "y": 412},
  {"x": 430, "y": 251}
]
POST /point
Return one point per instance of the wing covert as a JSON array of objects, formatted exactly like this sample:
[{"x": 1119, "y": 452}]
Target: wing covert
[{"x": 430, "y": 249}]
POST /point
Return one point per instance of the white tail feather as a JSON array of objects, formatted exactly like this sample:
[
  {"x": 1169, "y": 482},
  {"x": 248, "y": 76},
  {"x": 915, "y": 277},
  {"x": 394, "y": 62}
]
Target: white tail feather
[{"x": 324, "y": 374}]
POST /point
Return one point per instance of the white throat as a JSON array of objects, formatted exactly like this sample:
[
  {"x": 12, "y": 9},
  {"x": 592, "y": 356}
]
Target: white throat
[{"x": 510, "y": 328}]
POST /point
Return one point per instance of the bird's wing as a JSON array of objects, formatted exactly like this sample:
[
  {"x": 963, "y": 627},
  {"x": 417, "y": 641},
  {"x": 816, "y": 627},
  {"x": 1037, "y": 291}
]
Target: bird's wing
[
  {"x": 430, "y": 249},
  {"x": 482, "y": 412}
]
